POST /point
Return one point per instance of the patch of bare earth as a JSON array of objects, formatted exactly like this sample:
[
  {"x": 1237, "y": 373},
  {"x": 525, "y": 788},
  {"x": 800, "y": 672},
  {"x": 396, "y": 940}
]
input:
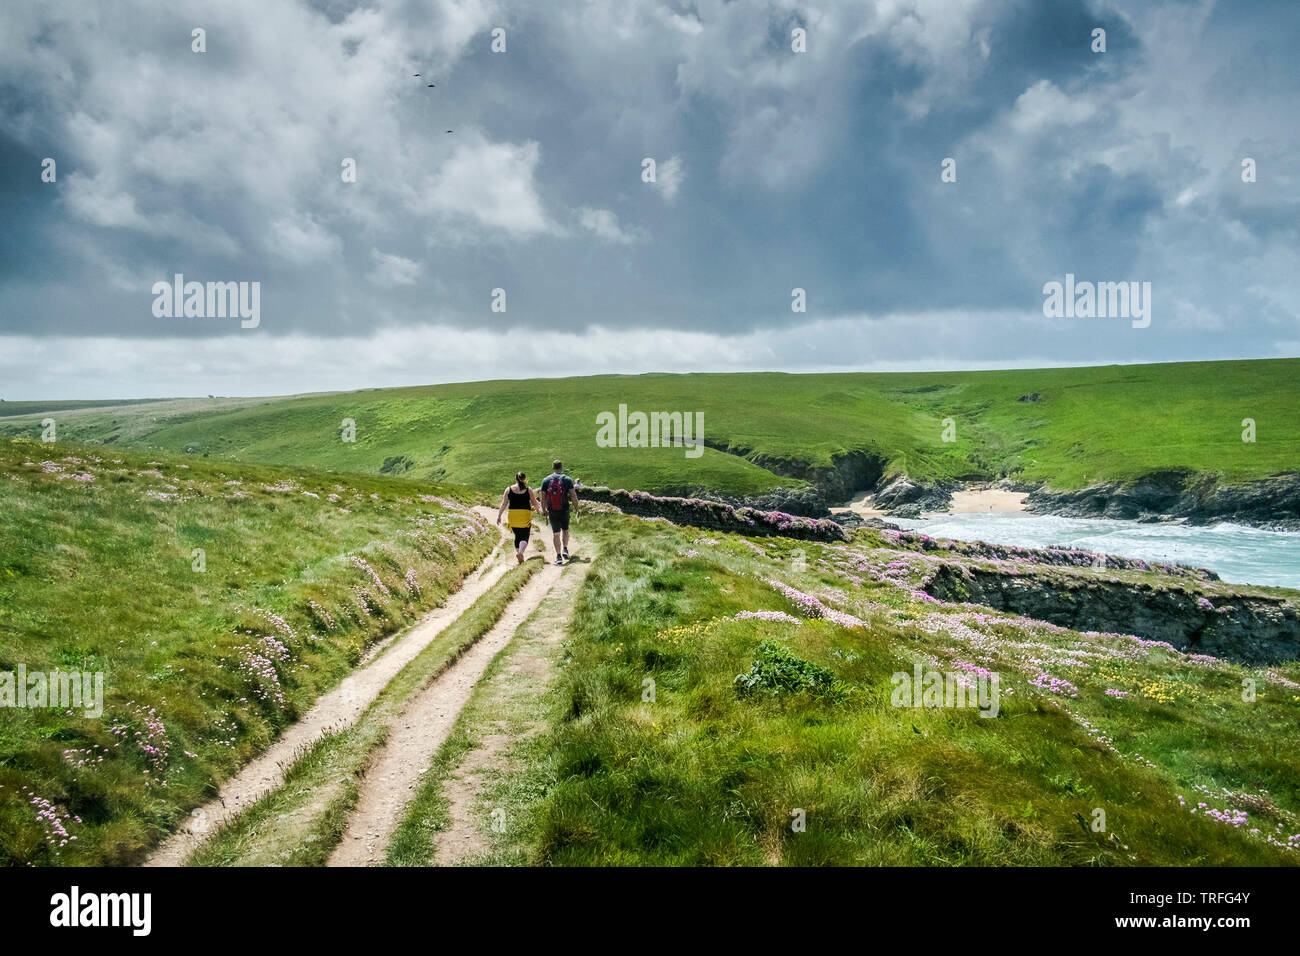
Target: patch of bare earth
[
  {"x": 421, "y": 728},
  {"x": 332, "y": 712}
]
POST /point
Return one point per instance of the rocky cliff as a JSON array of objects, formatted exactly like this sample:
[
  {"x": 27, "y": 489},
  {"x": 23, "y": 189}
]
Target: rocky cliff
[
  {"x": 1201, "y": 499},
  {"x": 848, "y": 472},
  {"x": 1236, "y": 625}
]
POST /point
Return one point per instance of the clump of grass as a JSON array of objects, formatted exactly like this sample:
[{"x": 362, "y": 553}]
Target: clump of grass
[{"x": 777, "y": 670}]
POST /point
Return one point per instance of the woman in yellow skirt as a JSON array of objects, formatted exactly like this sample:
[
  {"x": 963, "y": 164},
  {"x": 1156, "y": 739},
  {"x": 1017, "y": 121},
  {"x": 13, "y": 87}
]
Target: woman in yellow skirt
[{"x": 521, "y": 503}]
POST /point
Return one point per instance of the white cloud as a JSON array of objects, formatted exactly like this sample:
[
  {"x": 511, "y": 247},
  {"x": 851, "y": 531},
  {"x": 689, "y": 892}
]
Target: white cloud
[
  {"x": 391, "y": 271},
  {"x": 937, "y": 37},
  {"x": 1190, "y": 315},
  {"x": 244, "y": 364},
  {"x": 685, "y": 24},
  {"x": 604, "y": 224},
  {"x": 460, "y": 21},
  {"x": 219, "y": 164},
  {"x": 669, "y": 175},
  {"x": 1044, "y": 105},
  {"x": 303, "y": 241},
  {"x": 492, "y": 184},
  {"x": 102, "y": 204},
  {"x": 257, "y": 124}
]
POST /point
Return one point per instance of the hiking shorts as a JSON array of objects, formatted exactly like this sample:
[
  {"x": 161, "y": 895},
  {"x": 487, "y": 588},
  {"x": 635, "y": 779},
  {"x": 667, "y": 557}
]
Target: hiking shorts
[
  {"x": 560, "y": 521},
  {"x": 521, "y": 534}
]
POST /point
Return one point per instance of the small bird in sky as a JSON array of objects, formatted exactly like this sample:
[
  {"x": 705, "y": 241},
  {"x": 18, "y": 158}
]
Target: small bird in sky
[
  {"x": 448, "y": 131},
  {"x": 432, "y": 85}
]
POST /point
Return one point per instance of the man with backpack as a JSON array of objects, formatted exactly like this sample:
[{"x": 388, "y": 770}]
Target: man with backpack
[{"x": 558, "y": 492}]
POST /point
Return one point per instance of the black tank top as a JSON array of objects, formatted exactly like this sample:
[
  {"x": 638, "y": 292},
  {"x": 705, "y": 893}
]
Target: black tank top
[{"x": 519, "y": 499}]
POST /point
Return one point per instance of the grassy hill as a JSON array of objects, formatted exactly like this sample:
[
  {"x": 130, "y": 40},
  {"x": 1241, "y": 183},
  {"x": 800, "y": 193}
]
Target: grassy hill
[
  {"x": 205, "y": 657},
  {"x": 1084, "y": 425},
  {"x": 31, "y": 408}
]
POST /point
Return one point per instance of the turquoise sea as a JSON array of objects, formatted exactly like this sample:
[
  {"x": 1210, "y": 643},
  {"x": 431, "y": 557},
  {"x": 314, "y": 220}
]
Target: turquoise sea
[{"x": 1239, "y": 554}]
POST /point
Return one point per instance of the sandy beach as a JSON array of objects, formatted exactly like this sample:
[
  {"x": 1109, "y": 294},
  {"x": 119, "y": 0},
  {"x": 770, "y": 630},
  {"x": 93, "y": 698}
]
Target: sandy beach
[
  {"x": 970, "y": 501},
  {"x": 861, "y": 506},
  {"x": 986, "y": 499}
]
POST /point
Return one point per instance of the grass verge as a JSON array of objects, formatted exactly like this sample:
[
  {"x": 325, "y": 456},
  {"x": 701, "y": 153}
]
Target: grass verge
[
  {"x": 301, "y": 822},
  {"x": 216, "y": 601}
]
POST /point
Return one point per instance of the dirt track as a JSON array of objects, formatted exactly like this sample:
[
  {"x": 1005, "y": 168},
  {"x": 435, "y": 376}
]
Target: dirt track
[
  {"x": 333, "y": 711},
  {"x": 421, "y": 728}
]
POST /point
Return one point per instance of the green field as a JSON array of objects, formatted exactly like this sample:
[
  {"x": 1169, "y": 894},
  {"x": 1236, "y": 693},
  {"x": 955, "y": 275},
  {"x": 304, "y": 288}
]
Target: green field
[
  {"x": 32, "y": 408},
  {"x": 1088, "y": 424}
]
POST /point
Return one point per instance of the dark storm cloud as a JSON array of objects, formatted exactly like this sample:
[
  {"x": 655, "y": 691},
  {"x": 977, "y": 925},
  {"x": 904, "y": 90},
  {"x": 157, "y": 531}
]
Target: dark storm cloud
[{"x": 776, "y": 170}]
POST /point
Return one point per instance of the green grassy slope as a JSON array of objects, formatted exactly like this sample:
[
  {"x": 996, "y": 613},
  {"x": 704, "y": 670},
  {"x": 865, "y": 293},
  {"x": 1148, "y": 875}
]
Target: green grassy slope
[
  {"x": 52, "y": 405},
  {"x": 703, "y": 772},
  {"x": 1089, "y": 424},
  {"x": 201, "y": 667}
]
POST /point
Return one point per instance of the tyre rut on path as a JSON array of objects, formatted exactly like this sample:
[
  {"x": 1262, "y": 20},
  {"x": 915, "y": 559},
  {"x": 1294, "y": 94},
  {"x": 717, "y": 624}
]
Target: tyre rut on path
[
  {"x": 528, "y": 673},
  {"x": 333, "y": 711},
  {"x": 421, "y": 728}
]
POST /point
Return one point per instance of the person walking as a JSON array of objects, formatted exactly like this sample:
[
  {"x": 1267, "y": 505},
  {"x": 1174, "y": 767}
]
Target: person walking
[
  {"x": 518, "y": 503},
  {"x": 558, "y": 494}
]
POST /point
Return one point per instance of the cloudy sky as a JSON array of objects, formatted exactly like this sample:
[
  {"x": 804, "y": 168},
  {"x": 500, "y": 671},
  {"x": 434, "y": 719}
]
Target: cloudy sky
[{"x": 775, "y": 170}]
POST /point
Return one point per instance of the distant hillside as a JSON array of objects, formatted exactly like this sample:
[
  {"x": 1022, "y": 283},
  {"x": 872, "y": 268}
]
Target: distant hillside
[
  {"x": 59, "y": 405},
  {"x": 1066, "y": 427}
]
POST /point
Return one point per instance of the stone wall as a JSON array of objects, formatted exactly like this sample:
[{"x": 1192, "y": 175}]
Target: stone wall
[{"x": 717, "y": 515}]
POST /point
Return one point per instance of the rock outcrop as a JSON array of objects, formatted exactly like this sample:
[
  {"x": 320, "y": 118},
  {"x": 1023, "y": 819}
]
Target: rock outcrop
[
  {"x": 847, "y": 473},
  {"x": 1162, "y": 496},
  {"x": 1250, "y": 628},
  {"x": 906, "y": 498}
]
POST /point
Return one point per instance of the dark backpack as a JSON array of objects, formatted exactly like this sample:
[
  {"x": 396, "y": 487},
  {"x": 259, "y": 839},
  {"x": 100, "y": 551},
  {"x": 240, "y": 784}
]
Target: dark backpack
[{"x": 556, "y": 499}]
